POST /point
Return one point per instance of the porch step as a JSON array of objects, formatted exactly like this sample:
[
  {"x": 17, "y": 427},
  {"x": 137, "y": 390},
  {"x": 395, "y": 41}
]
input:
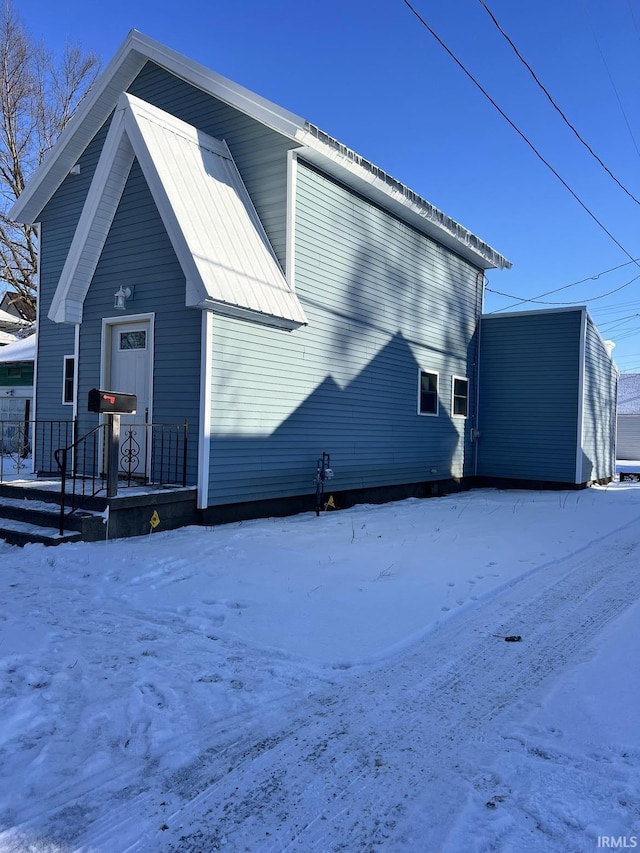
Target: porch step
[
  {"x": 21, "y": 533},
  {"x": 35, "y": 517},
  {"x": 30, "y": 512},
  {"x": 50, "y": 496}
]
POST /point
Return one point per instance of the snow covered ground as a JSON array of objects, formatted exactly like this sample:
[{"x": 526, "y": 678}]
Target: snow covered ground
[{"x": 333, "y": 683}]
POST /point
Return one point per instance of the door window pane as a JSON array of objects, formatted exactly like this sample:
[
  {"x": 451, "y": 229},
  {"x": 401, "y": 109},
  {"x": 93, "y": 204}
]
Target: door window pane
[{"x": 136, "y": 339}]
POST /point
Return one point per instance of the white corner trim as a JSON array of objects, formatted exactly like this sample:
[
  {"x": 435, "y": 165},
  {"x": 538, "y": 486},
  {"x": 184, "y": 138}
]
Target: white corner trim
[
  {"x": 290, "y": 239},
  {"x": 204, "y": 432},
  {"x": 581, "y": 381},
  {"x": 76, "y": 366},
  {"x": 34, "y": 396}
]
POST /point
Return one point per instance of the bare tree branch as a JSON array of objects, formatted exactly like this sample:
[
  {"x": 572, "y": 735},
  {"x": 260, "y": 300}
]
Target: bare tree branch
[{"x": 39, "y": 93}]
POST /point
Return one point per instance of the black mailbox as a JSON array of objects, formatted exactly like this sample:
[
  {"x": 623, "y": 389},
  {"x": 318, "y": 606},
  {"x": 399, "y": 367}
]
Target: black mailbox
[{"x": 112, "y": 402}]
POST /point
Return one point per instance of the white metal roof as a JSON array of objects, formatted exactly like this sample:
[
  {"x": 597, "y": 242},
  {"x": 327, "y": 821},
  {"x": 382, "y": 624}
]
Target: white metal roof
[
  {"x": 318, "y": 147},
  {"x": 229, "y": 265}
]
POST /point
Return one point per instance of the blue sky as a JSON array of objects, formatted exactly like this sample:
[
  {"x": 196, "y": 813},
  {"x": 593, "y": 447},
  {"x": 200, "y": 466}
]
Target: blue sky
[{"x": 370, "y": 74}]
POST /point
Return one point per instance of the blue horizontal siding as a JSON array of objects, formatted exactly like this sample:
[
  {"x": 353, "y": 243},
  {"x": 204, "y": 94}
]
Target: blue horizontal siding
[
  {"x": 138, "y": 252},
  {"x": 529, "y": 396},
  {"x": 382, "y": 301},
  {"x": 599, "y": 409}
]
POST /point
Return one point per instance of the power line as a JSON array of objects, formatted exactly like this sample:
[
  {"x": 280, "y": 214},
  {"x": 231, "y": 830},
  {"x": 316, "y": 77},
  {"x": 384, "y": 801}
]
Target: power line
[
  {"x": 569, "y": 301},
  {"x": 613, "y": 85},
  {"x": 633, "y": 19},
  {"x": 619, "y": 320},
  {"x": 517, "y": 130},
  {"x": 558, "y": 289},
  {"x": 553, "y": 103}
]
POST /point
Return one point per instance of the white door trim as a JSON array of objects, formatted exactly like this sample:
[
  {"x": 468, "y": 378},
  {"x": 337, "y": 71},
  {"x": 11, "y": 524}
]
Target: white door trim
[
  {"x": 105, "y": 361},
  {"x": 105, "y": 349}
]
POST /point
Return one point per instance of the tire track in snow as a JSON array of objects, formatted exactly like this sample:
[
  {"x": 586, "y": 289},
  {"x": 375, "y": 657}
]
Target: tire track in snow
[{"x": 382, "y": 761}]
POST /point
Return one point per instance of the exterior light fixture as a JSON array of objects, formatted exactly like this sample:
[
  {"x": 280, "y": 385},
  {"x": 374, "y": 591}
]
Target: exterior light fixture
[{"x": 121, "y": 296}]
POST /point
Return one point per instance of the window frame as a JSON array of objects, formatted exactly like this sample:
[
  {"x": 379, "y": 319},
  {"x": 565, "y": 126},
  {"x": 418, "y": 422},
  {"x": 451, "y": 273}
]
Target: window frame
[
  {"x": 464, "y": 379},
  {"x": 421, "y": 371},
  {"x": 65, "y": 379}
]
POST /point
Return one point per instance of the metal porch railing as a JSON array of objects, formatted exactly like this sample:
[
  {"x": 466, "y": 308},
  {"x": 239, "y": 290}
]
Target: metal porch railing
[
  {"x": 21, "y": 440},
  {"x": 150, "y": 454}
]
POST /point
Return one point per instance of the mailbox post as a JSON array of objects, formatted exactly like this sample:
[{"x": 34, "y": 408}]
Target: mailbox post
[{"x": 113, "y": 404}]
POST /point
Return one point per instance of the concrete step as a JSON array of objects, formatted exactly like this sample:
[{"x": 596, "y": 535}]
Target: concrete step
[
  {"x": 50, "y": 493},
  {"x": 44, "y": 515},
  {"x": 21, "y": 533},
  {"x": 35, "y": 505}
]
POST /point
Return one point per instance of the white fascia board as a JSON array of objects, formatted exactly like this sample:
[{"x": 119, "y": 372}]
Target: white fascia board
[
  {"x": 238, "y": 312},
  {"x": 531, "y": 311},
  {"x": 91, "y": 114},
  {"x": 233, "y": 94},
  {"x": 373, "y": 183},
  {"x": 136, "y": 50}
]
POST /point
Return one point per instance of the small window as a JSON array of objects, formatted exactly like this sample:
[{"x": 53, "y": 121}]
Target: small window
[
  {"x": 428, "y": 393},
  {"x": 14, "y": 371},
  {"x": 68, "y": 379},
  {"x": 460, "y": 402},
  {"x": 133, "y": 340}
]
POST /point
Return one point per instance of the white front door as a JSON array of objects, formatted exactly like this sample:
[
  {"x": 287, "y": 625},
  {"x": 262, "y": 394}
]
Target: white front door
[{"x": 130, "y": 371}]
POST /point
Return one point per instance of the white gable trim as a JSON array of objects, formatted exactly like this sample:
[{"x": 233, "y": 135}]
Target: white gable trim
[
  {"x": 99, "y": 210},
  {"x": 229, "y": 265}
]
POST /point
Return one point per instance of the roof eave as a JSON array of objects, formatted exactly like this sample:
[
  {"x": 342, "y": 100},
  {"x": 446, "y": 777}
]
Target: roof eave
[
  {"x": 238, "y": 312},
  {"x": 100, "y": 101},
  {"x": 371, "y": 182},
  {"x": 319, "y": 148}
]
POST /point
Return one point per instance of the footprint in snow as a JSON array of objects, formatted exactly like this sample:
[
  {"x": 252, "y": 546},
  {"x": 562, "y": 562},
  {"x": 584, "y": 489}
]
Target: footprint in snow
[{"x": 152, "y": 695}]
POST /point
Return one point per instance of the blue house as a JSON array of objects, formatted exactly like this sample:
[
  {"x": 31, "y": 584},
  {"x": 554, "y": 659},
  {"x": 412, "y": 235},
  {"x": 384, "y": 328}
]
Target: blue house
[{"x": 242, "y": 272}]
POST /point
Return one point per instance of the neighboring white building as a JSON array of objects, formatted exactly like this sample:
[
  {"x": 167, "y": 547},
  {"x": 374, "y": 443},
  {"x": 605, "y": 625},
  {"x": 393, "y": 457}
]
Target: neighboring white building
[
  {"x": 16, "y": 381},
  {"x": 628, "y": 432}
]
